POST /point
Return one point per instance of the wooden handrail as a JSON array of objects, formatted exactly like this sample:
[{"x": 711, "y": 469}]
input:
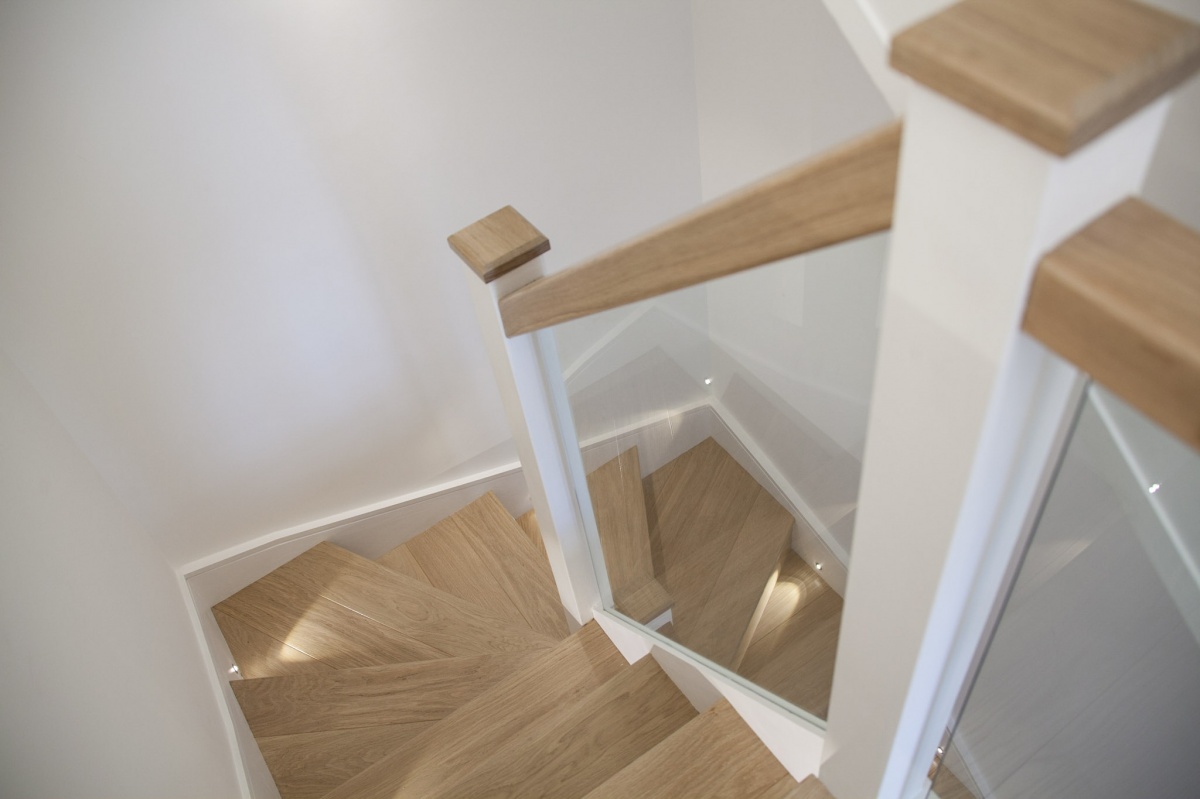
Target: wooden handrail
[
  {"x": 1121, "y": 300},
  {"x": 843, "y": 194},
  {"x": 1057, "y": 72}
]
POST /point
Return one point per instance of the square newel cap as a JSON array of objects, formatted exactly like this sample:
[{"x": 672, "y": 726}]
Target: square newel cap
[
  {"x": 1057, "y": 72},
  {"x": 498, "y": 243}
]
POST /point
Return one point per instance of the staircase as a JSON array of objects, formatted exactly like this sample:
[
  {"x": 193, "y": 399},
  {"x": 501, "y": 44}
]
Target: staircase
[{"x": 445, "y": 669}]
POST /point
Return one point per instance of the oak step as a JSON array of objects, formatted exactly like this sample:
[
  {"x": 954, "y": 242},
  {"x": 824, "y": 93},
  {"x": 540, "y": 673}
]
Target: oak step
[
  {"x": 333, "y": 604},
  {"x": 481, "y": 555},
  {"x": 529, "y": 524},
  {"x": 259, "y": 655},
  {"x": 527, "y": 704},
  {"x": 309, "y": 765},
  {"x": 808, "y": 788},
  {"x": 620, "y": 508},
  {"x": 721, "y": 536},
  {"x": 597, "y": 737},
  {"x": 793, "y": 652},
  {"x": 713, "y": 755},
  {"x": 370, "y": 697}
]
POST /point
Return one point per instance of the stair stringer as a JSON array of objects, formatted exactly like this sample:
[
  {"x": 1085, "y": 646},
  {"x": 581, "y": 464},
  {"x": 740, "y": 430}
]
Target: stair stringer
[{"x": 795, "y": 741}]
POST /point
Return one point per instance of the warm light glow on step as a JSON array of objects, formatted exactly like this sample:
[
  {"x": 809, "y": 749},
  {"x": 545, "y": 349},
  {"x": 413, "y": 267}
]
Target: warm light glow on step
[{"x": 818, "y": 566}]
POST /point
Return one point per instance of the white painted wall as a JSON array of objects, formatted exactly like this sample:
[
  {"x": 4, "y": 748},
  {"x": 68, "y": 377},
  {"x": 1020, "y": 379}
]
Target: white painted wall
[
  {"x": 104, "y": 692},
  {"x": 793, "y": 343},
  {"x": 223, "y": 229}
]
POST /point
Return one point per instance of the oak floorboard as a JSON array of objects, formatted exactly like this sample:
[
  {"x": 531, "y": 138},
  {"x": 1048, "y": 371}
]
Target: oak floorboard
[
  {"x": 309, "y": 765},
  {"x": 600, "y": 735},
  {"x": 526, "y": 703},
  {"x": 519, "y": 568},
  {"x": 437, "y": 619},
  {"x": 370, "y": 697},
  {"x": 400, "y": 559},
  {"x": 713, "y": 755},
  {"x": 528, "y": 522},
  {"x": 259, "y": 655},
  {"x": 322, "y": 629}
]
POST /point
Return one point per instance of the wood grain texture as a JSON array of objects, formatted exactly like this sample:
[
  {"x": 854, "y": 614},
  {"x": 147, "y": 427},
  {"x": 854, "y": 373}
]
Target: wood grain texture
[
  {"x": 452, "y": 564},
  {"x": 796, "y": 659},
  {"x": 370, "y": 697},
  {"x": 498, "y": 243},
  {"x": 259, "y": 655},
  {"x": 714, "y": 755},
  {"x": 324, "y": 630},
  {"x": 596, "y": 738},
  {"x": 529, "y": 702},
  {"x": 797, "y": 585},
  {"x": 524, "y": 575},
  {"x": 620, "y": 507},
  {"x": 400, "y": 559},
  {"x": 809, "y": 788},
  {"x": 743, "y": 586},
  {"x": 528, "y": 522},
  {"x": 1121, "y": 300},
  {"x": 436, "y": 619},
  {"x": 840, "y": 195},
  {"x": 1057, "y": 73},
  {"x": 309, "y": 765}
]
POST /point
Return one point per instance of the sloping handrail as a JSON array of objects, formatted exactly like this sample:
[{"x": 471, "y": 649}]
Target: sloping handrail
[
  {"x": 840, "y": 195},
  {"x": 1121, "y": 300}
]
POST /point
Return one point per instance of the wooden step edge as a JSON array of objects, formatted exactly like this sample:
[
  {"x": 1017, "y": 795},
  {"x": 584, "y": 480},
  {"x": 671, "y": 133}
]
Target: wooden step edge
[
  {"x": 1057, "y": 73},
  {"x": 714, "y": 754},
  {"x": 400, "y": 559},
  {"x": 756, "y": 617},
  {"x": 593, "y": 739},
  {"x": 619, "y": 503},
  {"x": 498, "y": 243},
  {"x": 1121, "y": 300},
  {"x": 528, "y": 522},
  {"x": 839, "y": 195},
  {"x": 522, "y": 704},
  {"x": 645, "y": 602}
]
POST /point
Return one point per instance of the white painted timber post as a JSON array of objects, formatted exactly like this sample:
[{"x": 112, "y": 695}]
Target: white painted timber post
[
  {"x": 504, "y": 251},
  {"x": 966, "y": 415}
]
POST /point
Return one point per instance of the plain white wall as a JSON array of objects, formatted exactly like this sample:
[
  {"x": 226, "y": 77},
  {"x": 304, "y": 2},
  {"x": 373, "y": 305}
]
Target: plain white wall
[
  {"x": 222, "y": 229},
  {"x": 104, "y": 692}
]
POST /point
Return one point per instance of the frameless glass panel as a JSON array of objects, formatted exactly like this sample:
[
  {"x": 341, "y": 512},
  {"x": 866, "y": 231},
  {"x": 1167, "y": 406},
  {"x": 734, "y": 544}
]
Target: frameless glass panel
[
  {"x": 1091, "y": 684},
  {"x": 721, "y": 431}
]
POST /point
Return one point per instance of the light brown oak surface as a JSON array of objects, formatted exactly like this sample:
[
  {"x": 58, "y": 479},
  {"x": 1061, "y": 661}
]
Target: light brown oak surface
[
  {"x": 837, "y": 196},
  {"x": 1058, "y": 72},
  {"x": 309, "y": 765},
  {"x": 1121, "y": 300},
  {"x": 620, "y": 507},
  {"x": 370, "y": 697},
  {"x": 600, "y": 734},
  {"x": 498, "y": 243},
  {"x": 723, "y": 757},
  {"x": 259, "y": 655},
  {"x": 529, "y": 702}
]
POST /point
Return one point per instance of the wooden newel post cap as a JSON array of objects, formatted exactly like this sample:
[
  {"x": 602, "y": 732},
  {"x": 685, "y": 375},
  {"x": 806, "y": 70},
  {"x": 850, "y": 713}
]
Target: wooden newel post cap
[{"x": 498, "y": 243}]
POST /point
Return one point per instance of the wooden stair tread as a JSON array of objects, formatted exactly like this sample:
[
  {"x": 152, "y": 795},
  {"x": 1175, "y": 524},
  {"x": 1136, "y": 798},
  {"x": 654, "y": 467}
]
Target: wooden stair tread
[
  {"x": 797, "y": 585},
  {"x": 796, "y": 659},
  {"x": 309, "y": 765},
  {"x": 331, "y": 633},
  {"x": 721, "y": 537},
  {"x": 1121, "y": 300},
  {"x": 620, "y": 507},
  {"x": 715, "y": 754},
  {"x": 528, "y": 522},
  {"x": 400, "y": 559},
  {"x": 259, "y": 655},
  {"x": 808, "y": 788},
  {"x": 1058, "y": 73},
  {"x": 599, "y": 735},
  {"x": 438, "y": 620},
  {"x": 739, "y": 595},
  {"x": 528, "y": 702},
  {"x": 481, "y": 555},
  {"x": 370, "y": 697}
]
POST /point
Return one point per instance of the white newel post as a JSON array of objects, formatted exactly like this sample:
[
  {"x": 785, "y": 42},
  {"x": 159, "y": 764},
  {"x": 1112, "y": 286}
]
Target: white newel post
[
  {"x": 529, "y": 405},
  {"x": 966, "y": 415}
]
